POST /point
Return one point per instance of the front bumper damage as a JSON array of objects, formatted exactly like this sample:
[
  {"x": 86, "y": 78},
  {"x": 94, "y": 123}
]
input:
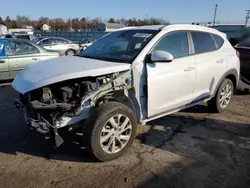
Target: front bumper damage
[
  {"x": 42, "y": 128},
  {"x": 46, "y": 116}
]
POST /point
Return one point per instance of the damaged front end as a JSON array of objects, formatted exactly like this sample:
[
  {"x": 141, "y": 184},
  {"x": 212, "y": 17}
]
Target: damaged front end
[{"x": 69, "y": 102}]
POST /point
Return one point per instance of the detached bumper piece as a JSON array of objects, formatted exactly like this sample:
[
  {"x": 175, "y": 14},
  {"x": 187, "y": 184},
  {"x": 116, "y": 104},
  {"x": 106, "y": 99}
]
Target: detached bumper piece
[
  {"x": 41, "y": 128},
  {"x": 44, "y": 130}
]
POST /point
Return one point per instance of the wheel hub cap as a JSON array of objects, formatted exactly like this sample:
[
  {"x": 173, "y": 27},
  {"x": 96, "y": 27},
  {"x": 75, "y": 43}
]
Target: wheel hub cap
[
  {"x": 116, "y": 133},
  {"x": 225, "y": 95}
]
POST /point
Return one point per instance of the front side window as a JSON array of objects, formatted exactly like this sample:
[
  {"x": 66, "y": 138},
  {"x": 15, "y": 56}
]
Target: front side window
[
  {"x": 203, "y": 42},
  {"x": 120, "y": 46},
  {"x": 175, "y": 43},
  {"x": 21, "y": 48}
]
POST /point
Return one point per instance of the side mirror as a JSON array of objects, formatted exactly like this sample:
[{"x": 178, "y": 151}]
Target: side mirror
[{"x": 161, "y": 56}]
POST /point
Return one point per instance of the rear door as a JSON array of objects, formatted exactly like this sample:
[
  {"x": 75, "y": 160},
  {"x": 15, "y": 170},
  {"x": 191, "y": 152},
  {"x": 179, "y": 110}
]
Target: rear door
[
  {"x": 60, "y": 45},
  {"x": 21, "y": 54},
  {"x": 210, "y": 64},
  {"x": 4, "y": 64}
]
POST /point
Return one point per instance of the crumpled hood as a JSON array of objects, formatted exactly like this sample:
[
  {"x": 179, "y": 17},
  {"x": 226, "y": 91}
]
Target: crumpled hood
[{"x": 51, "y": 71}]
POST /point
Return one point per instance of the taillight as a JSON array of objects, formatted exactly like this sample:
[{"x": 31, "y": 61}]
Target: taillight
[
  {"x": 59, "y": 54},
  {"x": 237, "y": 53}
]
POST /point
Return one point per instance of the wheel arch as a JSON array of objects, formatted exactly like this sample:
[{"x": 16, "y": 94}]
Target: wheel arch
[
  {"x": 231, "y": 74},
  {"x": 121, "y": 97},
  {"x": 69, "y": 50}
]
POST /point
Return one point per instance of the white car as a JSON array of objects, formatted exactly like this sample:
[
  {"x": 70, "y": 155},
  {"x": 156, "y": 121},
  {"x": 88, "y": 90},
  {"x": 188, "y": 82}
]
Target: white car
[
  {"x": 131, "y": 76},
  {"x": 86, "y": 43}
]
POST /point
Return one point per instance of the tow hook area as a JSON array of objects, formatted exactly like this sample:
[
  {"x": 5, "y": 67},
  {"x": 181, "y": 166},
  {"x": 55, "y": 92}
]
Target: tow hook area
[
  {"x": 42, "y": 128},
  {"x": 18, "y": 104}
]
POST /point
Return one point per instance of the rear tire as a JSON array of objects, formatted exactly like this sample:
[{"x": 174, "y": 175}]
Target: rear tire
[
  {"x": 70, "y": 52},
  {"x": 222, "y": 99},
  {"x": 110, "y": 131}
]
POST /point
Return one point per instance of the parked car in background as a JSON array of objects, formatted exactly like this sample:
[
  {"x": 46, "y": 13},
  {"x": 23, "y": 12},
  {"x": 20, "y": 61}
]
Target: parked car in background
[
  {"x": 25, "y": 37},
  {"x": 7, "y": 36},
  {"x": 86, "y": 43},
  {"x": 244, "y": 51},
  {"x": 64, "y": 46},
  {"x": 16, "y": 54},
  {"x": 235, "y": 33},
  {"x": 20, "y": 36},
  {"x": 130, "y": 76}
]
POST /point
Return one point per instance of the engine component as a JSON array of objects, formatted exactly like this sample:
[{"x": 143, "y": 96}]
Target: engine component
[
  {"x": 66, "y": 93},
  {"x": 42, "y": 106},
  {"x": 46, "y": 96}
]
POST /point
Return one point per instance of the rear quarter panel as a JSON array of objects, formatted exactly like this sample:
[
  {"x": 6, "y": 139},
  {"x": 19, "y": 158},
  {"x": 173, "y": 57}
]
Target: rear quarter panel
[{"x": 233, "y": 61}]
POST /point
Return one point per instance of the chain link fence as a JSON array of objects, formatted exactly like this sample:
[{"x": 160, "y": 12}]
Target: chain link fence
[{"x": 74, "y": 36}]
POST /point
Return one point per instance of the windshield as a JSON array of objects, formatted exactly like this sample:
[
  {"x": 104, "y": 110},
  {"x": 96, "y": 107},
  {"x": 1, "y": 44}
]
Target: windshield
[{"x": 120, "y": 46}]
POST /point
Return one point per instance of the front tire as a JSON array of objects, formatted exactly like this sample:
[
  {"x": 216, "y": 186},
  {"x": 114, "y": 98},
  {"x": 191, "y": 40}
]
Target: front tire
[
  {"x": 110, "y": 131},
  {"x": 223, "y": 97}
]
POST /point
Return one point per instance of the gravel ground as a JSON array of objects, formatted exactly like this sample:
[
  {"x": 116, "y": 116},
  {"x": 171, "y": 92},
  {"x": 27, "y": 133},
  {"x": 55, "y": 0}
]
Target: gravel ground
[{"x": 193, "y": 148}]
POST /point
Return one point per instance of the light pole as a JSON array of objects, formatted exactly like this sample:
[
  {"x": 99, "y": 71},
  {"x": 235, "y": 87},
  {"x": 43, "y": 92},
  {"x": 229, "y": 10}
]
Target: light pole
[
  {"x": 215, "y": 12},
  {"x": 247, "y": 17}
]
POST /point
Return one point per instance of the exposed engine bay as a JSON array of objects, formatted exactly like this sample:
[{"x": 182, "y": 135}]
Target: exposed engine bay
[{"x": 55, "y": 106}]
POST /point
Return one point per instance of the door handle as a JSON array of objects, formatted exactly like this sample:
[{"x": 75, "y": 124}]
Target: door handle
[
  {"x": 220, "y": 60},
  {"x": 2, "y": 61},
  {"x": 189, "y": 69},
  {"x": 35, "y": 59}
]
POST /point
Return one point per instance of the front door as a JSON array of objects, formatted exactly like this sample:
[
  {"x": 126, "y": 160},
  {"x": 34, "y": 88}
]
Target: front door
[
  {"x": 170, "y": 85},
  {"x": 21, "y": 54}
]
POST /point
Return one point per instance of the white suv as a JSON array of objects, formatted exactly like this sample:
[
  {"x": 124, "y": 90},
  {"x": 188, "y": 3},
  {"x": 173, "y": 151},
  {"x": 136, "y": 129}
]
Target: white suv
[{"x": 130, "y": 76}]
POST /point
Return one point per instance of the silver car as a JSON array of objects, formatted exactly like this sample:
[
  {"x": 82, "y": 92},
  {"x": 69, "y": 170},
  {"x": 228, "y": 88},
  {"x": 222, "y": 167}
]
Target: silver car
[{"x": 63, "y": 46}]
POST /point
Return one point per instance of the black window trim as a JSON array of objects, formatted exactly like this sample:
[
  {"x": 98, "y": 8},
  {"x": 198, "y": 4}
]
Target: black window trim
[
  {"x": 175, "y": 31},
  {"x": 194, "y": 53}
]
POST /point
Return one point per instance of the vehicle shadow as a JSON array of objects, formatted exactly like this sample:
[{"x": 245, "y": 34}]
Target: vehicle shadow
[
  {"x": 215, "y": 152},
  {"x": 15, "y": 137},
  {"x": 6, "y": 82}
]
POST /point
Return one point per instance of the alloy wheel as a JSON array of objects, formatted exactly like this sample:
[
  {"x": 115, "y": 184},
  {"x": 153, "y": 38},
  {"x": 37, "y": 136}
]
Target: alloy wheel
[
  {"x": 225, "y": 95},
  {"x": 116, "y": 133}
]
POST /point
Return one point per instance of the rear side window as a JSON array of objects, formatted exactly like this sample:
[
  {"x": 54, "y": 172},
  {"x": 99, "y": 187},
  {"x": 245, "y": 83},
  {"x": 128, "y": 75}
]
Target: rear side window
[
  {"x": 203, "y": 42},
  {"x": 61, "y": 41},
  {"x": 219, "y": 41}
]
